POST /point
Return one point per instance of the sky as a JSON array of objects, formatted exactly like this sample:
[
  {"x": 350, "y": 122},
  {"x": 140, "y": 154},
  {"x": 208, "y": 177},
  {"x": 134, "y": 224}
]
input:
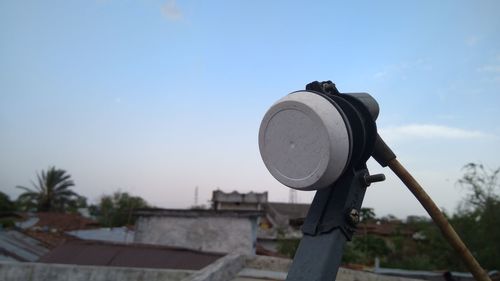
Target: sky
[{"x": 157, "y": 98}]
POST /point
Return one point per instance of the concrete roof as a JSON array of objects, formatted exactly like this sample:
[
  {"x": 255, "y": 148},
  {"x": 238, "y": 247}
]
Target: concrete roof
[
  {"x": 115, "y": 234},
  {"x": 227, "y": 268},
  {"x": 433, "y": 275},
  {"x": 85, "y": 252},
  {"x": 259, "y": 268}
]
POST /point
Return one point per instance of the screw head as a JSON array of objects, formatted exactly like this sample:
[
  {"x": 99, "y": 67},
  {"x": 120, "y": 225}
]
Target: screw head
[{"x": 354, "y": 216}]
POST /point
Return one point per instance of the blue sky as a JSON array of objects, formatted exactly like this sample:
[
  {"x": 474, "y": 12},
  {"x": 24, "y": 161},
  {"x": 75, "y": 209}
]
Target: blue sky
[{"x": 157, "y": 97}]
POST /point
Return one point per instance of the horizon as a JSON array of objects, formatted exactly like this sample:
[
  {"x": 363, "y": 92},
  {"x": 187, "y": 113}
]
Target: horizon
[{"x": 158, "y": 97}]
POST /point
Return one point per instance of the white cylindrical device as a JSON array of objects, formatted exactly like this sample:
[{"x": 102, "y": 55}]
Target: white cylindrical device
[{"x": 304, "y": 141}]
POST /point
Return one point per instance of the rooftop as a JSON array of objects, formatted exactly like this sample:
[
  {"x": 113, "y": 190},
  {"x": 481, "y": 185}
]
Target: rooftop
[
  {"x": 64, "y": 221},
  {"x": 16, "y": 246},
  {"x": 50, "y": 227},
  {"x": 99, "y": 253},
  {"x": 236, "y": 197},
  {"x": 196, "y": 213},
  {"x": 384, "y": 228},
  {"x": 115, "y": 234}
]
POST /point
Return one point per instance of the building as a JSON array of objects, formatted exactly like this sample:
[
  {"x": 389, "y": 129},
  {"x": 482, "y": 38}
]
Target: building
[
  {"x": 282, "y": 221},
  {"x": 222, "y": 231},
  {"x": 279, "y": 221},
  {"x": 238, "y": 201}
]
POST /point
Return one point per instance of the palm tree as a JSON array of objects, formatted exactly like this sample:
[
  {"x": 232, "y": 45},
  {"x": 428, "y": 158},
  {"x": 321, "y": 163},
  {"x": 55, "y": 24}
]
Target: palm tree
[{"x": 51, "y": 193}]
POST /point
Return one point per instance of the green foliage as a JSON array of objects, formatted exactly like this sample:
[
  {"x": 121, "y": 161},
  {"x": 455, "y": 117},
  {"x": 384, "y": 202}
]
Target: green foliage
[
  {"x": 364, "y": 249},
  {"x": 371, "y": 246},
  {"x": 477, "y": 222},
  {"x": 288, "y": 247},
  {"x": 482, "y": 184},
  {"x": 6, "y": 205},
  {"x": 117, "y": 209},
  {"x": 6, "y": 223},
  {"x": 52, "y": 192},
  {"x": 351, "y": 254},
  {"x": 367, "y": 214},
  {"x": 427, "y": 253},
  {"x": 478, "y": 218},
  {"x": 78, "y": 203}
]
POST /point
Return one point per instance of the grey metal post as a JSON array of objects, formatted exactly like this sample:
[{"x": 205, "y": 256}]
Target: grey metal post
[
  {"x": 330, "y": 223},
  {"x": 318, "y": 257}
]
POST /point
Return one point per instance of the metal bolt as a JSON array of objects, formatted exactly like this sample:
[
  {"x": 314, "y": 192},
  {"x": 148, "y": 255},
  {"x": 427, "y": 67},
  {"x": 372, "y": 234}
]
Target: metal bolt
[
  {"x": 354, "y": 216},
  {"x": 373, "y": 178}
]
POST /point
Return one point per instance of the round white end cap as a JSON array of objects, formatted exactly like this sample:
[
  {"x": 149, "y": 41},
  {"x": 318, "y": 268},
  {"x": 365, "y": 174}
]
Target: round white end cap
[{"x": 304, "y": 141}]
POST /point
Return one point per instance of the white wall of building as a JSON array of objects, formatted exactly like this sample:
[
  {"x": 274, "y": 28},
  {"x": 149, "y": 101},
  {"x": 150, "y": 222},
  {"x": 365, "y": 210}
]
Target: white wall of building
[{"x": 211, "y": 234}]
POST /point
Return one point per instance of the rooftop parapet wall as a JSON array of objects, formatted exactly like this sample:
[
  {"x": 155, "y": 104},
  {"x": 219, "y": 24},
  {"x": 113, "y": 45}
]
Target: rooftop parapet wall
[
  {"x": 222, "y": 234},
  {"x": 57, "y": 272},
  {"x": 236, "y": 197},
  {"x": 230, "y": 267}
]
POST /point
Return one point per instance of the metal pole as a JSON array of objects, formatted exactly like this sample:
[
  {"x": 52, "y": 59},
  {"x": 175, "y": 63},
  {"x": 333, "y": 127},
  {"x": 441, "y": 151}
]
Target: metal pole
[
  {"x": 330, "y": 223},
  {"x": 320, "y": 257}
]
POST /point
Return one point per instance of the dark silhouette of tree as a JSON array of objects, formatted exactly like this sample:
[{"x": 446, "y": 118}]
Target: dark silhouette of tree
[
  {"x": 118, "y": 209},
  {"x": 476, "y": 221},
  {"x": 6, "y": 208},
  {"x": 6, "y": 205},
  {"x": 478, "y": 217},
  {"x": 367, "y": 214},
  {"x": 51, "y": 192},
  {"x": 483, "y": 185}
]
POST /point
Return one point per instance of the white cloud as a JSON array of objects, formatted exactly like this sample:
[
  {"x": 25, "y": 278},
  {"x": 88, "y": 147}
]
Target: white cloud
[
  {"x": 171, "y": 11},
  {"x": 429, "y": 131}
]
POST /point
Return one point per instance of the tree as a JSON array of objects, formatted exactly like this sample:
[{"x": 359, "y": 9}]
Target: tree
[
  {"x": 52, "y": 192},
  {"x": 6, "y": 205},
  {"x": 367, "y": 214},
  {"x": 482, "y": 184},
  {"x": 478, "y": 217},
  {"x": 476, "y": 221},
  {"x": 364, "y": 248},
  {"x": 117, "y": 209}
]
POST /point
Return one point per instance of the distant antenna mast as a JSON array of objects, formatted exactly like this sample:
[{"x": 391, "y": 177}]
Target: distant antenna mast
[
  {"x": 292, "y": 196},
  {"x": 196, "y": 196}
]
